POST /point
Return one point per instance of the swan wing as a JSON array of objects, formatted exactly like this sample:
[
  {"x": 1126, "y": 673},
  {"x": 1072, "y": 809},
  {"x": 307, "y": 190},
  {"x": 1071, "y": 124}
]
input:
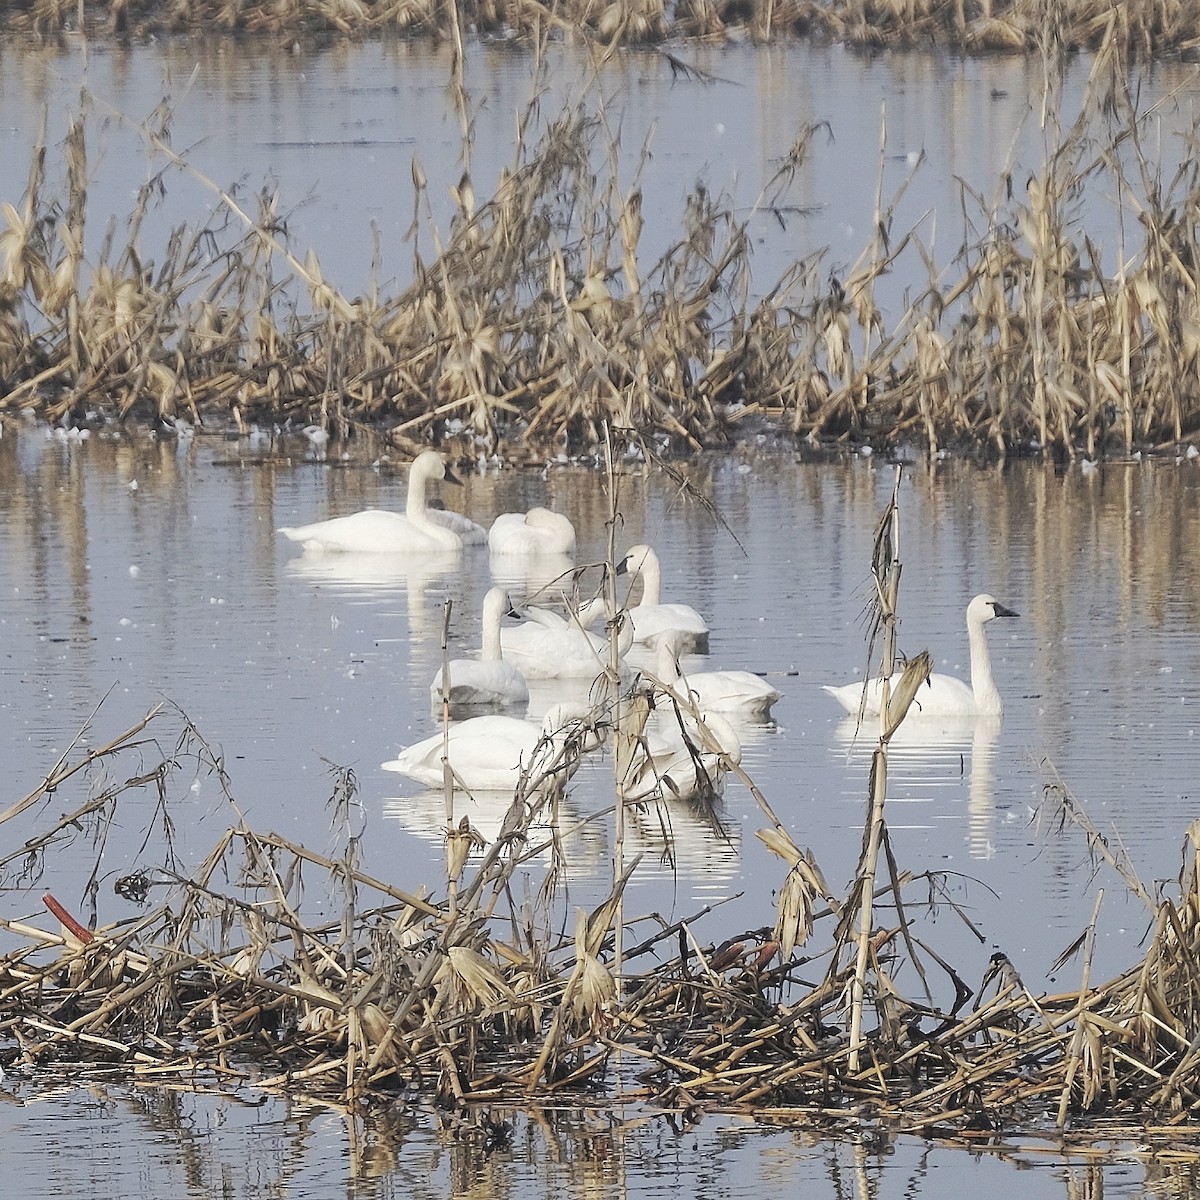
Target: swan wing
[{"x": 468, "y": 531}]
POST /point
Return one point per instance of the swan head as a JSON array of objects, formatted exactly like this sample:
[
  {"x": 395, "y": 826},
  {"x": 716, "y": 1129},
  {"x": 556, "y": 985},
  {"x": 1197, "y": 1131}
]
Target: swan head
[
  {"x": 430, "y": 464},
  {"x": 496, "y": 604},
  {"x": 636, "y": 560},
  {"x": 987, "y": 608},
  {"x": 668, "y": 645}
]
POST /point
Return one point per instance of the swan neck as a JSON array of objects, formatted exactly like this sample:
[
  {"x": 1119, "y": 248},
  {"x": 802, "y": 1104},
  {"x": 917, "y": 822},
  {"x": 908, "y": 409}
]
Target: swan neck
[
  {"x": 490, "y": 651},
  {"x": 651, "y": 579},
  {"x": 415, "y": 506},
  {"x": 987, "y": 698}
]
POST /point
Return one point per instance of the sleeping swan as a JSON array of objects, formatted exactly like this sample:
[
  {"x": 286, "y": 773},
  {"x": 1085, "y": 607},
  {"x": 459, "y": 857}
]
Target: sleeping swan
[
  {"x": 419, "y": 530},
  {"x": 532, "y": 534},
  {"x": 944, "y": 696},
  {"x": 651, "y": 619},
  {"x": 488, "y": 681}
]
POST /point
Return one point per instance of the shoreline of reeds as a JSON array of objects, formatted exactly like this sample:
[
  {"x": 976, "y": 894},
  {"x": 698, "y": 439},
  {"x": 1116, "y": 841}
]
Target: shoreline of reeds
[
  {"x": 452, "y": 997},
  {"x": 533, "y": 323},
  {"x": 972, "y": 26}
]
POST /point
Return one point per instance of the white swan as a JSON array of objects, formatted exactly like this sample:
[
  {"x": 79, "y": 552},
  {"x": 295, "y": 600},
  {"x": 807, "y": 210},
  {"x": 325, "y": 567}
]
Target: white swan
[
  {"x": 740, "y": 694},
  {"x": 531, "y": 534},
  {"x": 488, "y": 681},
  {"x": 651, "y": 618},
  {"x": 489, "y": 753},
  {"x": 549, "y": 651},
  {"x": 679, "y": 761},
  {"x": 418, "y": 530},
  {"x": 944, "y": 696}
]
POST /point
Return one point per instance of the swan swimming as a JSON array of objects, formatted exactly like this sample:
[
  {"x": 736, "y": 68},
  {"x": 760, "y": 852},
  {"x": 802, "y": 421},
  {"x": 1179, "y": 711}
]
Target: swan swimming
[
  {"x": 651, "y": 619},
  {"x": 487, "y": 681},
  {"x": 944, "y": 695},
  {"x": 419, "y": 529},
  {"x": 489, "y": 753},
  {"x": 740, "y": 694},
  {"x": 664, "y": 764},
  {"x": 531, "y": 534},
  {"x": 543, "y": 649}
]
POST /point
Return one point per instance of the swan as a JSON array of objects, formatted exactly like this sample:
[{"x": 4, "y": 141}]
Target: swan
[
  {"x": 487, "y": 681},
  {"x": 651, "y": 618},
  {"x": 944, "y": 696},
  {"x": 740, "y": 694},
  {"x": 566, "y": 651},
  {"x": 419, "y": 530},
  {"x": 489, "y": 753},
  {"x": 531, "y": 534},
  {"x": 677, "y": 761}
]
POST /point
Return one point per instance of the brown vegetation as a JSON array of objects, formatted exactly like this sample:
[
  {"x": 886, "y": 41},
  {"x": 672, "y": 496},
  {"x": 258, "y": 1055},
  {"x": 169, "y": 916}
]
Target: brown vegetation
[
  {"x": 974, "y": 25},
  {"x": 536, "y": 323}
]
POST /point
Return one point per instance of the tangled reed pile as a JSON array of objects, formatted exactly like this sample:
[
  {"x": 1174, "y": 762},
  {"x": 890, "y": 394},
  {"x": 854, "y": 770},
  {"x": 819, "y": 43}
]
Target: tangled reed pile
[
  {"x": 534, "y": 320},
  {"x": 484, "y": 995},
  {"x": 1168, "y": 26}
]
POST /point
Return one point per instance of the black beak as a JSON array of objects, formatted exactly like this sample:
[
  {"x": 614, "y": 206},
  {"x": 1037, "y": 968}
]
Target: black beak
[
  {"x": 450, "y": 476},
  {"x": 623, "y": 566},
  {"x": 1001, "y": 611}
]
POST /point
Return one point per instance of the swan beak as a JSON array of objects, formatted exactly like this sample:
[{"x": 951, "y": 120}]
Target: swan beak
[
  {"x": 623, "y": 566},
  {"x": 450, "y": 476},
  {"x": 1001, "y": 611}
]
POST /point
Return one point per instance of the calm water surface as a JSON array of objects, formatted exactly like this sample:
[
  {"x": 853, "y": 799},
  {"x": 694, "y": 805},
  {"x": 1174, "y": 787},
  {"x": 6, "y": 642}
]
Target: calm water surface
[
  {"x": 116, "y": 597},
  {"x": 181, "y": 589}
]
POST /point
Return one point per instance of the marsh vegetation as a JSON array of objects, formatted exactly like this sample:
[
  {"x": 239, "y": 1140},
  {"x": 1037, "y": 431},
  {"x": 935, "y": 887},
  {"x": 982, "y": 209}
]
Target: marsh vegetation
[
  {"x": 534, "y": 319},
  {"x": 836, "y": 1009}
]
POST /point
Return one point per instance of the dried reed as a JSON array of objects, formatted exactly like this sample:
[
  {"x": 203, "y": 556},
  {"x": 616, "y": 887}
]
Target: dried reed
[
  {"x": 536, "y": 323},
  {"x": 1004, "y": 25}
]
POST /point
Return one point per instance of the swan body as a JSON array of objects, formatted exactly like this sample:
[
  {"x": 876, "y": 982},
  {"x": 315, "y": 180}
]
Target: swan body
[
  {"x": 945, "y": 695},
  {"x": 739, "y": 694},
  {"x": 663, "y": 763},
  {"x": 487, "y": 681},
  {"x": 651, "y": 618},
  {"x": 418, "y": 530},
  {"x": 471, "y": 533},
  {"x": 531, "y": 534},
  {"x": 487, "y": 753},
  {"x": 567, "y": 651}
]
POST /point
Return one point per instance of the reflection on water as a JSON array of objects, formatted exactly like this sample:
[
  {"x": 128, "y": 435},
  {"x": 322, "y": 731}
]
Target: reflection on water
[
  {"x": 380, "y": 576},
  {"x": 929, "y": 759},
  {"x": 582, "y": 847},
  {"x": 110, "y": 1139},
  {"x": 692, "y": 841}
]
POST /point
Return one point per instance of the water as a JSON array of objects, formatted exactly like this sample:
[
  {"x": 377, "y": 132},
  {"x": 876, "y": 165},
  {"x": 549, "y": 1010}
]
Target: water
[
  {"x": 108, "y": 1138},
  {"x": 181, "y": 590},
  {"x": 113, "y": 598}
]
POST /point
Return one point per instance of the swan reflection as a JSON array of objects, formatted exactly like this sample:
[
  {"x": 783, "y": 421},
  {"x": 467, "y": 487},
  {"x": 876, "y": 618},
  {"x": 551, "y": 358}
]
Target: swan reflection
[
  {"x": 382, "y": 575},
  {"x": 423, "y": 814},
  {"x": 533, "y": 574},
  {"x": 686, "y": 840},
  {"x": 936, "y": 752}
]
